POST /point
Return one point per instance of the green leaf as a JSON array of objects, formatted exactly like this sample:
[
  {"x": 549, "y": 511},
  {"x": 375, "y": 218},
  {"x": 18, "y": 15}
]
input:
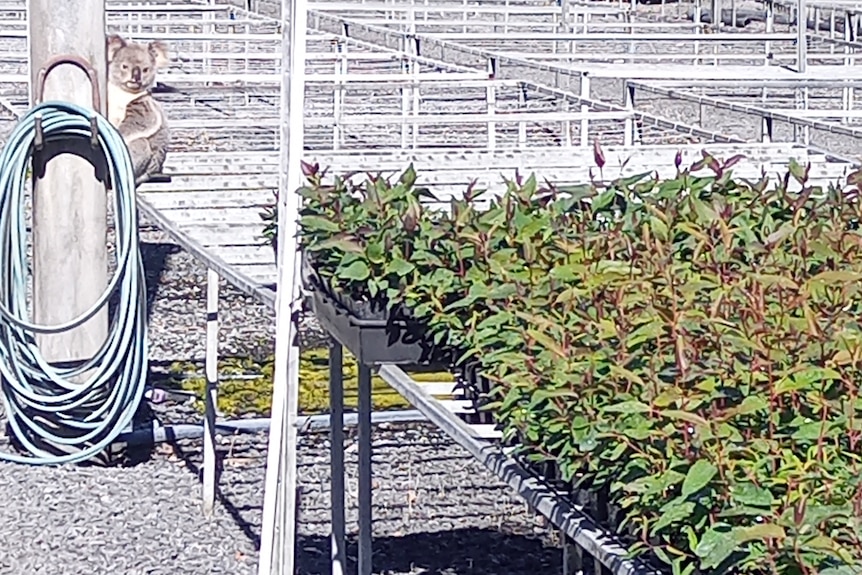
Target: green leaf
[
  {"x": 662, "y": 555},
  {"x": 699, "y": 475},
  {"x": 502, "y": 292},
  {"x": 546, "y": 342},
  {"x": 529, "y": 187},
  {"x": 742, "y": 511},
  {"x": 674, "y": 514},
  {"x": 824, "y": 543},
  {"x": 797, "y": 171},
  {"x": 841, "y": 570},
  {"x": 493, "y": 321},
  {"x": 751, "y": 494},
  {"x": 408, "y": 178},
  {"x": 617, "y": 452},
  {"x": 716, "y": 545},
  {"x": 340, "y": 243},
  {"x": 356, "y": 271},
  {"x": 567, "y": 273},
  {"x": 691, "y": 536},
  {"x": 373, "y": 288},
  {"x": 603, "y": 200},
  {"x": 548, "y": 393},
  {"x": 678, "y": 568},
  {"x": 692, "y": 418},
  {"x": 400, "y": 267},
  {"x": 810, "y": 431},
  {"x": 749, "y": 405},
  {"x": 816, "y": 514},
  {"x": 375, "y": 253},
  {"x": 319, "y": 223},
  {"x": 759, "y": 532},
  {"x": 769, "y": 280},
  {"x": 789, "y": 384},
  {"x": 632, "y": 406},
  {"x": 628, "y": 375},
  {"x": 835, "y": 277}
]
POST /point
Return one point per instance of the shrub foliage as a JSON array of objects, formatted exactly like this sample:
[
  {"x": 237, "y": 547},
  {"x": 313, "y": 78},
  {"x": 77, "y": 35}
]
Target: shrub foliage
[{"x": 691, "y": 345}]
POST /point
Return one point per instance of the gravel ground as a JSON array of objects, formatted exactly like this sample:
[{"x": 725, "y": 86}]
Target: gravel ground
[{"x": 436, "y": 511}]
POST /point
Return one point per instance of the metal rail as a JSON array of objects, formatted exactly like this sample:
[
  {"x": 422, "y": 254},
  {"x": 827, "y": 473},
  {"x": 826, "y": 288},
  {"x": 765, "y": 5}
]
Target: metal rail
[
  {"x": 577, "y": 62},
  {"x": 768, "y": 115}
]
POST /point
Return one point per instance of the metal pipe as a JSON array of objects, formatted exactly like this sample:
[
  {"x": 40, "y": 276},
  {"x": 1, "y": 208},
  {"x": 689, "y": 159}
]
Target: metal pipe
[
  {"x": 801, "y": 39},
  {"x": 210, "y": 391},
  {"x": 170, "y": 433},
  {"x": 721, "y": 37},
  {"x": 788, "y": 84},
  {"x": 365, "y": 509},
  {"x": 336, "y": 456},
  {"x": 747, "y": 109}
]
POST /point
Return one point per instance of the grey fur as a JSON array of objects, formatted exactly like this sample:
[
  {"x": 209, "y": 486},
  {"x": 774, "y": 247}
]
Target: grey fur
[
  {"x": 148, "y": 153},
  {"x": 142, "y": 122}
]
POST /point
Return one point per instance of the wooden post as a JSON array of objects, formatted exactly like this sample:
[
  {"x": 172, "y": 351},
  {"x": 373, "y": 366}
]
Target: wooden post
[{"x": 69, "y": 205}]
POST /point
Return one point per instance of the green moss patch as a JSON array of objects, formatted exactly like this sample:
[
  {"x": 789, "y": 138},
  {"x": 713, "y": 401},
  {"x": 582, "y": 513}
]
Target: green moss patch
[{"x": 245, "y": 385}]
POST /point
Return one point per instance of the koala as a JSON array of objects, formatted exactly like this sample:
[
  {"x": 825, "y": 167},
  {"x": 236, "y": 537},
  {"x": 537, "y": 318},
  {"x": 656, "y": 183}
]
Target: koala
[{"x": 131, "y": 107}]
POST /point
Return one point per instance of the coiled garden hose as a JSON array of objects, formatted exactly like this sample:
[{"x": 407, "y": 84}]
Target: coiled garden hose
[{"x": 41, "y": 401}]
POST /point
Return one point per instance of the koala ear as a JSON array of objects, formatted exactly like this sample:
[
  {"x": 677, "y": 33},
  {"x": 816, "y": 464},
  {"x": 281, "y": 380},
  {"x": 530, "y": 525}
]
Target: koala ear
[
  {"x": 159, "y": 51},
  {"x": 115, "y": 42}
]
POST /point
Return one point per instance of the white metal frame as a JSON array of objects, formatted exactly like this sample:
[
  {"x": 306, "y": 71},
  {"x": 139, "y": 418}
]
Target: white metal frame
[
  {"x": 769, "y": 101},
  {"x": 590, "y": 33},
  {"x": 279, "y": 509}
]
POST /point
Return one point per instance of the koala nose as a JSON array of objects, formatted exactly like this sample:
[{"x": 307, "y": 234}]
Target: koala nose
[{"x": 136, "y": 74}]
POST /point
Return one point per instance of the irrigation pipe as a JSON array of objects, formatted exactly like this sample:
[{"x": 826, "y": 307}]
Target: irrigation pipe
[
  {"x": 168, "y": 433},
  {"x": 45, "y": 407}
]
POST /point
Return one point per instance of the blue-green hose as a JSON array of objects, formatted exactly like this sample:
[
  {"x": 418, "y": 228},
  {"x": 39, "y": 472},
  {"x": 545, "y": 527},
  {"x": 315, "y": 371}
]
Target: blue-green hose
[{"x": 41, "y": 400}]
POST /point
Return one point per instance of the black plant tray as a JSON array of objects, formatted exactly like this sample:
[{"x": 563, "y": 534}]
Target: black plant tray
[
  {"x": 373, "y": 336},
  {"x": 471, "y": 386}
]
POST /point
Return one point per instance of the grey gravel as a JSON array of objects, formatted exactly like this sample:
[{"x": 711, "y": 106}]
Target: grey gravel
[{"x": 436, "y": 511}]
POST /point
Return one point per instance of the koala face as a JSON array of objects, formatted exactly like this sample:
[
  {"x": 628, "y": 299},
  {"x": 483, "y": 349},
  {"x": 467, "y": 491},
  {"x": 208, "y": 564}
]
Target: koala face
[{"x": 133, "y": 66}]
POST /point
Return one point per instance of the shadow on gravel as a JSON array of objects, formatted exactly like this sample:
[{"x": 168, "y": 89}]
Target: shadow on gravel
[
  {"x": 471, "y": 551},
  {"x": 457, "y": 552},
  {"x": 236, "y": 513},
  {"x": 155, "y": 256}
]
